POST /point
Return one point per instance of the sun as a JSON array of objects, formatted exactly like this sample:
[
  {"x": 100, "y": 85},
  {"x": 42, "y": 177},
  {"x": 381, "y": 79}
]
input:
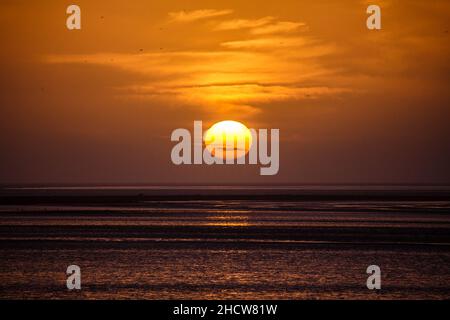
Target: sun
[{"x": 228, "y": 140}]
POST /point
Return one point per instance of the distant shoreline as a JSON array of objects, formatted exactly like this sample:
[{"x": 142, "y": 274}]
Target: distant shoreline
[{"x": 21, "y": 197}]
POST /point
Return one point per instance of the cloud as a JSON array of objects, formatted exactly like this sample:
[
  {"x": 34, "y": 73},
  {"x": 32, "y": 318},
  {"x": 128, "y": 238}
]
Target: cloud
[
  {"x": 264, "y": 43},
  {"x": 236, "y": 24},
  {"x": 189, "y": 16},
  {"x": 261, "y": 26},
  {"x": 279, "y": 27},
  {"x": 255, "y": 93},
  {"x": 226, "y": 74},
  {"x": 219, "y": 81}
]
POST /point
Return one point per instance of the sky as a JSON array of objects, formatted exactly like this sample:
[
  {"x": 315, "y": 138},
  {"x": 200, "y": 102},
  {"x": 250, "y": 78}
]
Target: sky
[{"x": 98, "y": 105}]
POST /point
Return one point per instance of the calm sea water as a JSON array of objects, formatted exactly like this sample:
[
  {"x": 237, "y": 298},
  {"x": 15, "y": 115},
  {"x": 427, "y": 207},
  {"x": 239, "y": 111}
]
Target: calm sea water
[{"x": 226, "y": 249}]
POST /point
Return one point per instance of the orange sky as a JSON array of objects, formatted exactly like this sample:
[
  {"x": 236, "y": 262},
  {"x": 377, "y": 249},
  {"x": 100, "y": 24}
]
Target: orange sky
[{"x": 98, "y": 105}]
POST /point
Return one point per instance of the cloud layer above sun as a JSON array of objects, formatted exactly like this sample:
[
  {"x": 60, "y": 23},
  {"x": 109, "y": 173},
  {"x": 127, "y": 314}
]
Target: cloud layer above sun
[{"x": 245, "y": 62}]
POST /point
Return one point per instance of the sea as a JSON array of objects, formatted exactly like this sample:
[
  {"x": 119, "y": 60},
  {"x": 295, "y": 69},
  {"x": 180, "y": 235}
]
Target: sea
[{"x": 225, "y": 242}]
